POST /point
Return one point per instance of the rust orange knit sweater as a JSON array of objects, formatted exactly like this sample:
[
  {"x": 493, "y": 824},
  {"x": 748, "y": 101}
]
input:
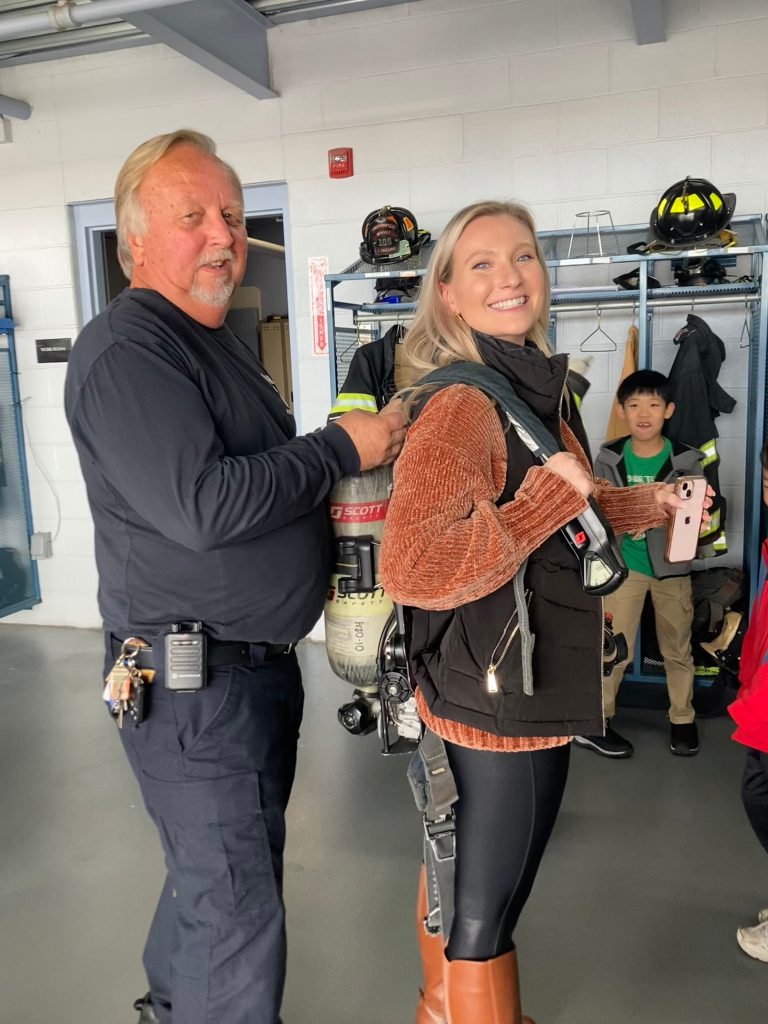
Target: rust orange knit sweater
[{"x": 446, "y": 542}]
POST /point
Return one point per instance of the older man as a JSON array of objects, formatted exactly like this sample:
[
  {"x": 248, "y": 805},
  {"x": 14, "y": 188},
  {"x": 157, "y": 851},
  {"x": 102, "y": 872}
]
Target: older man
[{"x": 208, "y": 509}]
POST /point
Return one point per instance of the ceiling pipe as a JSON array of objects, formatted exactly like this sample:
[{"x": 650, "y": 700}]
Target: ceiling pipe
[
  {"x": 258, "y": 243},
  {"x": 9, "y": 107},
  {"x": 60, "y": 17}
]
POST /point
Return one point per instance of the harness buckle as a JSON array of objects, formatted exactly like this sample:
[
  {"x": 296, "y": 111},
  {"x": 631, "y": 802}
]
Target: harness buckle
[{"x": 441, "y": 836}]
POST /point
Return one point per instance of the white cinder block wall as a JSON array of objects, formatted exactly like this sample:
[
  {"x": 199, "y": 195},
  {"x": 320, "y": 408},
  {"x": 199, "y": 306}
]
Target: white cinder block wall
[{"x": 444, "y": 102}]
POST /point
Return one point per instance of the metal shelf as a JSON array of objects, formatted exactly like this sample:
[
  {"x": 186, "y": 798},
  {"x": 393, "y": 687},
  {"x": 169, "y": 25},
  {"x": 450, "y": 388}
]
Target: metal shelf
[
  {"x": 750, "y": 232},
  {"x": 360, "y": 270},
  {"x": 566, "y": 297}
]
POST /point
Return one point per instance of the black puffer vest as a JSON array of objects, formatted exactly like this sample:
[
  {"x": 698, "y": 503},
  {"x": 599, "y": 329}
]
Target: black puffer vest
[{"x": 450, "y": 652}]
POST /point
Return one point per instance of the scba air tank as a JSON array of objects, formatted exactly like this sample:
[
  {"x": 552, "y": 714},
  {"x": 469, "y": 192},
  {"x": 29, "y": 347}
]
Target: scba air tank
[{"x": 355, "y": 620}]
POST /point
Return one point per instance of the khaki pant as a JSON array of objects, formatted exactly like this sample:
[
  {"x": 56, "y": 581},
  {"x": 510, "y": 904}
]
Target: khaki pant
[{"x": 673, "y": 610}]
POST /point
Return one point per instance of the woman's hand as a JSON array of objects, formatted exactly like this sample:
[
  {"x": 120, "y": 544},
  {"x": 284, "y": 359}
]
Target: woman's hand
[
  {"x": 667, "y": 500},
  {"x": 569, "y": 468}
]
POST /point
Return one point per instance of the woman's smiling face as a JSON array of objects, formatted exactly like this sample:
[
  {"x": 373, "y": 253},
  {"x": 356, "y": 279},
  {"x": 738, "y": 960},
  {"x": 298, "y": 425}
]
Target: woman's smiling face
[{"x": 497, "y": 283}]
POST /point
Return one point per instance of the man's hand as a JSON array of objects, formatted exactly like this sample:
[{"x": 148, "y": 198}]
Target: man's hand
[{"x": 378, "y": 438}]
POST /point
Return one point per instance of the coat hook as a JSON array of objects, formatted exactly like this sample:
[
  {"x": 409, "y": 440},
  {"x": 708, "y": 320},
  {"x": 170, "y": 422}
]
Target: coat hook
[{"x": 598, "y": 347}]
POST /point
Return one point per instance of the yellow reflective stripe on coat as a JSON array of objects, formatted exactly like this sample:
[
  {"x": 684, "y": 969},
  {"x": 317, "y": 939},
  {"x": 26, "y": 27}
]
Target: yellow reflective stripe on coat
[
  {"x": 706, "y": 670},
  {"x": 712, "y": 549},
  {"x": 712, "y": 526},
  {"x": 347, "y": 401},
  {"x": 709, "y": 451}
]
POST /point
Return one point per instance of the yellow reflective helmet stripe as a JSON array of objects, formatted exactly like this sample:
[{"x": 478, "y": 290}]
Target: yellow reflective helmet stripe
[{"x": 682, "y": 204}]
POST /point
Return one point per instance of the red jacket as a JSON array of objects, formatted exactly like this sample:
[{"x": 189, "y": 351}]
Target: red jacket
[{"x": 750, "y": 709}]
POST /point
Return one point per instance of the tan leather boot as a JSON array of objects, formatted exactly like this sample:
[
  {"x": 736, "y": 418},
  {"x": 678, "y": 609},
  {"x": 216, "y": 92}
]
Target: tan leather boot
[
  {"x": 483, "y": 990},
  {"x": 431, "y": 1008}
]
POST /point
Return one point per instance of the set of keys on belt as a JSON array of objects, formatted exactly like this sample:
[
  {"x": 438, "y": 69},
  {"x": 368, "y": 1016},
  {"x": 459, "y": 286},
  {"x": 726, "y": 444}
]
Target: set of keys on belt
[{"x": 124, "y": 689}]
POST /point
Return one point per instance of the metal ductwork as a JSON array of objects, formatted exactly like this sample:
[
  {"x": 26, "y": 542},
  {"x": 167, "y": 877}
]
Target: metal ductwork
[
  {"x": 33, "y": 32},
  {"x": 66, "y": 15}
]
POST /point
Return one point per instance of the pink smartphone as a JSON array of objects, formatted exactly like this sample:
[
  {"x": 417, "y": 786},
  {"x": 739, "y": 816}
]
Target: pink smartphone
[{"x": 685, "y": 523}]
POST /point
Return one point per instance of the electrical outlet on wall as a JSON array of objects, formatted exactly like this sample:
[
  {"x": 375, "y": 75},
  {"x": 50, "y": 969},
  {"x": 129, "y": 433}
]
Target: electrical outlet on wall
[{"x": 40, "y": 545}]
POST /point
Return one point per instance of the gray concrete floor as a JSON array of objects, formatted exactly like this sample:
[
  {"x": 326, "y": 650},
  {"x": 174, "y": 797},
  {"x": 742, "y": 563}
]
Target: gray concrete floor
[{"x": 651, "y": 868}]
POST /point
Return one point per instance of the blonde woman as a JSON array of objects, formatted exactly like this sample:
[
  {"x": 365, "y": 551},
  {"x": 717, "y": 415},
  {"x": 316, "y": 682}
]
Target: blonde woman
[{"x": 469, "y": 506}]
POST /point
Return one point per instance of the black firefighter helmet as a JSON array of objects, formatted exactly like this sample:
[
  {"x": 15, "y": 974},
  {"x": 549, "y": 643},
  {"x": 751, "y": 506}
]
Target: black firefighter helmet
[
  {"x": 692, "y": 210},
  {"x": 391, "y": 235}
]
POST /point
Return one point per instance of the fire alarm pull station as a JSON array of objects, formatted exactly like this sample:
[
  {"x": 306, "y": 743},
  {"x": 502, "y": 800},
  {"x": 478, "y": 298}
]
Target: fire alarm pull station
[{"x": 340, "y": 163}]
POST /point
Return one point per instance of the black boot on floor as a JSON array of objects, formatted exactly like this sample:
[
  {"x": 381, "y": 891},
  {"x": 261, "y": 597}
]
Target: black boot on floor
[
  {"x": 146, "y": 1014},
  {"x": 684, "y": 739},
  {"x": 613, "y": 744}
]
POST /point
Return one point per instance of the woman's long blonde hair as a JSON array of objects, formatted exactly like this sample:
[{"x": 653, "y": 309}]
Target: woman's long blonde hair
[{"x": 438, "y": 337}]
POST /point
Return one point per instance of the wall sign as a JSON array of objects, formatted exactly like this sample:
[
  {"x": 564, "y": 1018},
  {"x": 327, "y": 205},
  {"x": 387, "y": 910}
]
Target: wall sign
[
  {"x": 53, "y": 350},
  {"x": 318, "y": 268}
]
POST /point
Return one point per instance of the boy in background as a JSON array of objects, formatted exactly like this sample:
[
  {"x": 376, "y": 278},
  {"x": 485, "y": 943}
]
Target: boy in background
[{"x": 644, "y": 456}]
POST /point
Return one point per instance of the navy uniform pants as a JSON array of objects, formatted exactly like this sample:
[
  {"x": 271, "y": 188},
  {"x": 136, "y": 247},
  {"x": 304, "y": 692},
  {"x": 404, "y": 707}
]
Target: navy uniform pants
[{"x": 215, "y": 770}]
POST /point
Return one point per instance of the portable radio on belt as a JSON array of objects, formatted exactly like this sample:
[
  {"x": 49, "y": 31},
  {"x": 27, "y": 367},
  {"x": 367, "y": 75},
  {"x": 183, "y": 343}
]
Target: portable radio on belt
[
  {"x": 589, "y": 536},
  {"x": 185, "y": 657}
]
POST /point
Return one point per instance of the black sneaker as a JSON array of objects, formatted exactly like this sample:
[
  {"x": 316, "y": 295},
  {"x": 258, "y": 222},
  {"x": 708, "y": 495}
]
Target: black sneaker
[
  {"x": 610, "y": 745},
  {"x": 684, "y": 739},
  {"x": 146, "y": 1013}
]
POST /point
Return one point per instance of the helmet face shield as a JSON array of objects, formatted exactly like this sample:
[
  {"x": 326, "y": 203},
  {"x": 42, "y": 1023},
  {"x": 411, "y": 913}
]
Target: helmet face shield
[{"x": 690, "y": 211}]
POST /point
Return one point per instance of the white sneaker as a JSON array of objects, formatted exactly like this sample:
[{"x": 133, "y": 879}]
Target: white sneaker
[{"x": 754, "y": 941}]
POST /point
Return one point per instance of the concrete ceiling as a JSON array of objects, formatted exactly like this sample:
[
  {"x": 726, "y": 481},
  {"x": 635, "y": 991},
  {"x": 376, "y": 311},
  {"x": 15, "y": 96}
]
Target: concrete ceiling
[{"x": 227, "y": 37}]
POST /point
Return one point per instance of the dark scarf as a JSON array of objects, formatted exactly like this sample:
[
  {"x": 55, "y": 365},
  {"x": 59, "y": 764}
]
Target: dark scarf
[{"x": 537, "y": 378}]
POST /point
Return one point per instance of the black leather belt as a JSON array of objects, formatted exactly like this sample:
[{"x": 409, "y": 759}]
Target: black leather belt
[{"x": 219, "y": 653}]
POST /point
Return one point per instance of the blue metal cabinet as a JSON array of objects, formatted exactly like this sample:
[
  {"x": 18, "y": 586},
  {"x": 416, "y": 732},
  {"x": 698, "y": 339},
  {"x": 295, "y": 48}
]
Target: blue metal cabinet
[{"x": 19, "y": 583}]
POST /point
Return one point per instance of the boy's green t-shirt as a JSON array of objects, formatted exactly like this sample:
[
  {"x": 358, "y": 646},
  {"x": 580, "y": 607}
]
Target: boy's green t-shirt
[{"x": 641, "y": 471}]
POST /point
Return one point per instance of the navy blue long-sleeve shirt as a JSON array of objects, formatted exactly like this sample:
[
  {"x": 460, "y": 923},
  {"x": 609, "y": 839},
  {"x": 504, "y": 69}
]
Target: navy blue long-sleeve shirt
[{"x": 206, "y": 505}]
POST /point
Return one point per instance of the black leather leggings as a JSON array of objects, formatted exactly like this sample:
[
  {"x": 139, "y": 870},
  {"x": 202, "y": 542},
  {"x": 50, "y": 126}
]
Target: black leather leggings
[{"x": 507, "y": 807}]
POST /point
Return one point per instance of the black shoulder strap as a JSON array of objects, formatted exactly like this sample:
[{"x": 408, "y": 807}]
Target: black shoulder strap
[
  {"x": 527, "y": 424},
  {"x": 589, "y": 535}
]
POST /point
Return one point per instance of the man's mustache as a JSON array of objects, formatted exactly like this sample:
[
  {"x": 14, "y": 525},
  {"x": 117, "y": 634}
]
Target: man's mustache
[{"x": 217, "y": 256}]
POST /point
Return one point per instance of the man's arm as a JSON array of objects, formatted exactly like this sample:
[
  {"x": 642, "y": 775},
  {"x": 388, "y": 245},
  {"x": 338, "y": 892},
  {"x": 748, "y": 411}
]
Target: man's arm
[{"x": 145, "y": 427}]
